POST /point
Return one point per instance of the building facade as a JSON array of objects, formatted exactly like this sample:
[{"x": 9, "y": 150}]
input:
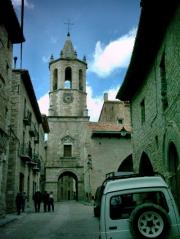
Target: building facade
[
  {"x": 26, "y": 148},
  {"x": 10, "y": 33},
  {"x": 117, "y": 112},
  {"x": 152, "y": 87},
  {"x": 109, "y": 142}
]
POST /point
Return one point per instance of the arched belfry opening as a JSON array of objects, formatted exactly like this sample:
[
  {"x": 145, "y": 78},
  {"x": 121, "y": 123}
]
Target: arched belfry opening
[
  {"x": 55, "y": 79},
  {"x": 173, "y": 163},
  {"x": 67, "y": 186},
  {"x": 145, "y": 166},
  {"x": 80, "y": 80},
  {"x": 68, "y": 78},
  {"x": 126, "y": 165}
]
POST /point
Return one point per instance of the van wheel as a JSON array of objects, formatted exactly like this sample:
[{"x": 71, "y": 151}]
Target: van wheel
[{"x": 149, "y": 221}]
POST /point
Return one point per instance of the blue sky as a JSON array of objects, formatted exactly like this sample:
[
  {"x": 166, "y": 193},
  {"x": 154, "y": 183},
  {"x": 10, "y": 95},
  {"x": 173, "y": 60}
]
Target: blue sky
[{"x": 102, "y": 30}]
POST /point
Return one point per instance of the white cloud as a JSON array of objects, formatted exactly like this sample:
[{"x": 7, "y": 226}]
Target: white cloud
[
  {"x": 112, "y": 93},
  {"x": 94, "y": 104},
  {"x": 27, "y": 4},
  {"x": 44, "y": 104},
  {"x": 112, "y": 56},
  {"x": 45, "y": 59},
  {"x": 53, "y": 40}
]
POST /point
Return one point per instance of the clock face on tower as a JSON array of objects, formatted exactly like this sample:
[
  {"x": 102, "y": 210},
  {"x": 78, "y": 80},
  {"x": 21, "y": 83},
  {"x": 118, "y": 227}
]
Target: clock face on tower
[{"x": 68, "y": 98}]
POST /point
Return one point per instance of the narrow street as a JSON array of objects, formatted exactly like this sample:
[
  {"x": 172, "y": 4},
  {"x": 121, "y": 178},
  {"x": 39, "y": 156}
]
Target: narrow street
[{"x": 70, "y": 220}]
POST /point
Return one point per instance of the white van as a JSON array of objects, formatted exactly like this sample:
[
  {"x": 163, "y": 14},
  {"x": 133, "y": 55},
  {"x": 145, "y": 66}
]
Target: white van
[{"x": 138, "y": 207}]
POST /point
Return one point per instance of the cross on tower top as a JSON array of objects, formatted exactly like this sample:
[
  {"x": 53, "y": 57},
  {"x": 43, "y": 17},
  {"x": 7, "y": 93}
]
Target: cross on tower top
[{"x": 69, "y": 24}]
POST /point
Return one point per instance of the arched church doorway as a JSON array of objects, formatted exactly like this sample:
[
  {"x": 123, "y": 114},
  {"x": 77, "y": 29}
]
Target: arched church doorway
[
  {"x": 173, "y": 163},
  {"x": 126, "y": 165},
  {"x": 145, "y": 166},
  {"x": 67, "y": 187}
]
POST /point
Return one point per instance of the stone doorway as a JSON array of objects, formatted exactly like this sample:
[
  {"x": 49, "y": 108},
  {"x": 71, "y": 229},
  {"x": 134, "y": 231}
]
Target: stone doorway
[
  {"x": 126, "y": 165},
  {"x": 145, "y": 166},
  {"x": 67, "y": 187}
]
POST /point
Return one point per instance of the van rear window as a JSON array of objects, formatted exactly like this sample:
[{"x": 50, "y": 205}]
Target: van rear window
[{"x": 121, "y": 206}]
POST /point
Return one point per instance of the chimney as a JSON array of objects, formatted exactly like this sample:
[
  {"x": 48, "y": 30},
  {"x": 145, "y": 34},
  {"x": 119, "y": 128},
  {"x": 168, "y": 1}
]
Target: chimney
[{"x": 105, "y": 96}]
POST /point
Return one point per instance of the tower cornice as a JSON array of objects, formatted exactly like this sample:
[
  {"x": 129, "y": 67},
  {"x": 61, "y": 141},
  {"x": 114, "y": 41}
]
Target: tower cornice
[{"x": 70, "y": 60}]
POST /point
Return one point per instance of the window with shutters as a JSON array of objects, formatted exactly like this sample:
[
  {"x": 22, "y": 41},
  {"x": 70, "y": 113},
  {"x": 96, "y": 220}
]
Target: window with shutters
[{"x": 67, "y": 150}]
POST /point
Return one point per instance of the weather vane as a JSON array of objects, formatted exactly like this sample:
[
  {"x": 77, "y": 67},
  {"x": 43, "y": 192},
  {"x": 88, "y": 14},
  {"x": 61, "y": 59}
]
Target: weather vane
[{"x": 69, "y": 24}]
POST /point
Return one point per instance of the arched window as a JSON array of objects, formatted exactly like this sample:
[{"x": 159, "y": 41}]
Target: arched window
[
  {"x": 55, "y": 79},
  {"x": 68, "y": 78},
  {"x": 80, "y": 80}
]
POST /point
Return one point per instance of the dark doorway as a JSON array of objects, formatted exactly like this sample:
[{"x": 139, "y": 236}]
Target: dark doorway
[
  {"x": 67, "y": 187},
  {"x": 126, "y": 165},
  {"x": 21, "y": 182},
  {"x": 145, "y": 166}
]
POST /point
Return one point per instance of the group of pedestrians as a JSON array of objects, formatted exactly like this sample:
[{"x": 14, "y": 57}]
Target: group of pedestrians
[{"x": 46, "y": 198}]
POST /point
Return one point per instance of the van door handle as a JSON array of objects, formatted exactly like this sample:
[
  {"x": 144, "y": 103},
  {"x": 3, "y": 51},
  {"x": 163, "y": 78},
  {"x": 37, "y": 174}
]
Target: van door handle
[{"x": 113, "y": 228}]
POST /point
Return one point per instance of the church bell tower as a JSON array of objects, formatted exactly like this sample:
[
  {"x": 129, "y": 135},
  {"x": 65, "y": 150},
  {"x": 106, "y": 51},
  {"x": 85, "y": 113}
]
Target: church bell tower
[
  {"x": 68, "y": 118},
  {"x": 68, "y": 83}
]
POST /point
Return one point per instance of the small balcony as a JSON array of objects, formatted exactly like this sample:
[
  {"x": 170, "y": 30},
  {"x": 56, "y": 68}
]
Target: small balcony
[
  {"x": 36, "y": 162},
  {"x": 26, "y": 153},
  {"x": 36, "y": 139},
  {"x": 32, "y": 131}
]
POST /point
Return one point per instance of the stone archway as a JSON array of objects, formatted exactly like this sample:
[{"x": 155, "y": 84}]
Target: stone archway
[
  {"x": 145, "y": 166},
  {"x": 173, "y": 163},
  {"x": 67, "y": 187},
  {"x": 126, "y": 165}
]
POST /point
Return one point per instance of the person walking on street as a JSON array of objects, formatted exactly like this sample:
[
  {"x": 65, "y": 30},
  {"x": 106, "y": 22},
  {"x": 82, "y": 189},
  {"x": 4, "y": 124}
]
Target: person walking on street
[
  {"x": 37, "y": 201},
  {"x": 51, "y": 202},
  {"x": 24, "y": 197},
  {"x": 45, "y": 201},
  {"x": 19, "y": 202}
]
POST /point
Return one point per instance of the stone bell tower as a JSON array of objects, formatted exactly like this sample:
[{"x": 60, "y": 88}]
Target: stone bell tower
[
  {"x": 68, "y": 118},
  {"x": 68, "y": 83}
]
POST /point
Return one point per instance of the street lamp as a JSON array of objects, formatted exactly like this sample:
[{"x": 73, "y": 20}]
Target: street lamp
[
  {"x": 89, "y": 167},
  {"x": 89, "y": 163},
  {"x": 123, "y": 132}
]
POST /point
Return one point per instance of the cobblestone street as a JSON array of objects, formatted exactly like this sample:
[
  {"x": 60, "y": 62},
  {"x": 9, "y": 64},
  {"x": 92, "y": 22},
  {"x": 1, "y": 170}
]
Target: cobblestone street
[{"x": 70, "y": 220}]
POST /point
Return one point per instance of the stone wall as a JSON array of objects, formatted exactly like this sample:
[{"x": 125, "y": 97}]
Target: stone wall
[
  {"x": 107, "y": 153},
  {"x": 26, "y": 145},
  {"x": 161, "y": 126},
  {"x": 5, "y": 85},
  {"x": 117, "y": 112}
]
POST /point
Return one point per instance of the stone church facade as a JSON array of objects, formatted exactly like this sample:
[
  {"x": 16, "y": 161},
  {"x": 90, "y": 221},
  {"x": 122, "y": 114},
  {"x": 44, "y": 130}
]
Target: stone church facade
[
  {"x": 77, "y": 149},
  {"x": 152, "y": 87}
]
